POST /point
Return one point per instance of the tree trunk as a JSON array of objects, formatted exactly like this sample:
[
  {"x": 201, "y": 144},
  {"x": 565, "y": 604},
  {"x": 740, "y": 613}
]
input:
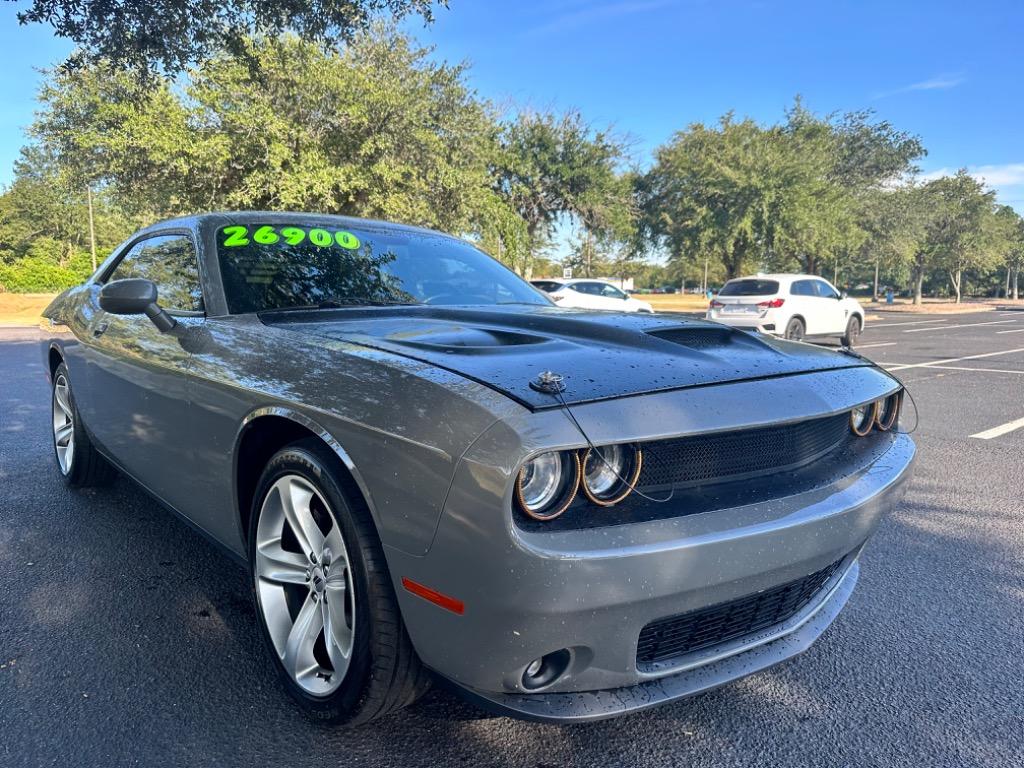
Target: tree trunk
[
  {"x": 918, "y": 285},
  {"x": 92, "y": 228},
  {"x": 874, "y": 295},
  {"x": 1016, "y": 279},
  {"x": 954, "y": 278}
]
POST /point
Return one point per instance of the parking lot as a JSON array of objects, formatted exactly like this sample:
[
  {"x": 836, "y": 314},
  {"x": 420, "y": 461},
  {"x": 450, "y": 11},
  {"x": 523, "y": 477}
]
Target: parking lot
[{"x": 127, "y": 639}]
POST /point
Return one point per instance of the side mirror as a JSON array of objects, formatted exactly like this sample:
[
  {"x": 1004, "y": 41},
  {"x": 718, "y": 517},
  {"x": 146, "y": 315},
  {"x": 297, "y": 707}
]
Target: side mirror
[
  {"x": 135, "y": 296},
  {"x": 843, "y": 295}
]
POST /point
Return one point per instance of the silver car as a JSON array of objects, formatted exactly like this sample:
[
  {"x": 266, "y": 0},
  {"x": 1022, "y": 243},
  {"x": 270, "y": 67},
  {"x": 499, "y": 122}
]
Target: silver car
[{"x": 430, "y": 470}]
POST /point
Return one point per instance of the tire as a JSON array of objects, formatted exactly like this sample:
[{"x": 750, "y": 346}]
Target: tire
[
  {"x": 852, "y": 334},
  {"x": 79, "y": 463},
  {"x": 795, "y": 329},
  {"x": 381, "y": 672}
]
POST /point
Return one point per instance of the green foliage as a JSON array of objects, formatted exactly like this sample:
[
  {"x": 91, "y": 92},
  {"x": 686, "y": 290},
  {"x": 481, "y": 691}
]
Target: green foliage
[
  {"x": 47, "y": 266},
  {"x": 788, "y": 196},
  {"x": 171, "y": 34}
]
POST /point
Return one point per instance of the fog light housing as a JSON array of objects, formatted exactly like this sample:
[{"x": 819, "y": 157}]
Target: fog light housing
[{"x": 545, "y": 670}]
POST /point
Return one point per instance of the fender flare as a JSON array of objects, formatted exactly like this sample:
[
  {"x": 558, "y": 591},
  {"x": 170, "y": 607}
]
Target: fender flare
[{"x": 304, "y": 421}]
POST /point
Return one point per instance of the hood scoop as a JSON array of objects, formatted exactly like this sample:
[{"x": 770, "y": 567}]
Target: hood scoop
[{"x": 705, "y": 338}]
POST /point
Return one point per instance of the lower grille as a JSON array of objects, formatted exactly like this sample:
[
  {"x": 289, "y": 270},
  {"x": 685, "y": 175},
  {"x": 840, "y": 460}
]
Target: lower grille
[{"x": 676, "y": 636}]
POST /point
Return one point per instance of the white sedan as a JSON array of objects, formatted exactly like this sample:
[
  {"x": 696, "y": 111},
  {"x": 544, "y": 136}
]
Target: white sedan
[
  {"x": 590, "y": 294},
  {"x": 792, "y": 306}
]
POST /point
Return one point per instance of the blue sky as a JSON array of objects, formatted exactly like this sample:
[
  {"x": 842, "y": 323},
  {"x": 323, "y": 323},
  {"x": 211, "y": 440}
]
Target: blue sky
[{"x": 951, "y": 72}]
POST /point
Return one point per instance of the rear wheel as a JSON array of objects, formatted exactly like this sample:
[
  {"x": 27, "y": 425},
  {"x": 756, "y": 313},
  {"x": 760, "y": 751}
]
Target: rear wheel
[
  {"x": 852, "y": 334},
  {"x": 326, "y": 607},
  {"x": 795, "y": 329},
  {"x": 79, "y": 462}
]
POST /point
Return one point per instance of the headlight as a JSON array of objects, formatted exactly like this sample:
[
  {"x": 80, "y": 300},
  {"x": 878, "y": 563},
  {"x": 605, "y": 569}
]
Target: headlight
[
  {"x": 862, "y": 418},
  {"x": 610, "y": 473},
  {"x": 888, "y": 411},
  {"x": 546, "y": 485}
]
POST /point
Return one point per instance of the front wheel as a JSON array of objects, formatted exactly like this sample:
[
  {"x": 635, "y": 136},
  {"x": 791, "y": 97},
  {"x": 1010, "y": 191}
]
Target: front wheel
[
  {"x": 852, "y": 334},
  {"x": 795, "y": 329},
  {"x": 326, "y": 608},
  {"x": 80, "y": 464}
]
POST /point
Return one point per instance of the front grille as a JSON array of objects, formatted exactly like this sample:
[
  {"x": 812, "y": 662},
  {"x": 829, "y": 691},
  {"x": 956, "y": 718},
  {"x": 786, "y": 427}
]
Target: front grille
[
  {"x": 741, "y": 453},
  {"x": 676, "y": 636}
]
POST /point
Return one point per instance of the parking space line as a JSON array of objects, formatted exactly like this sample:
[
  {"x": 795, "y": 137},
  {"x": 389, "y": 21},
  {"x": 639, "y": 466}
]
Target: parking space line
[
  {"x": 1002, "y": 429},
  {"x": 954, "y": 359},
  {"x": 1015, "y": 330},
  {"x": 915, "y": 322},
  {"x": 882, "y": 344},
  {"x": 978, "y": 370},
  {"x": 963, "y": 325}
]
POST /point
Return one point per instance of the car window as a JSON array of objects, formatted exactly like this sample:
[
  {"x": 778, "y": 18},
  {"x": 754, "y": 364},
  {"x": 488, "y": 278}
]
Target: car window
[
  {"x": 825, "y": 290},
  {"x": 280, "y": 264},
  {"x": 802, "y": 288},
  {"x": 750, "y": 287},
  {"x": 611, "y": 292},
  {"x": 548, "y": 286},
  {"x": 587, "y": 288},
  {"x": 170, "y": 262}
]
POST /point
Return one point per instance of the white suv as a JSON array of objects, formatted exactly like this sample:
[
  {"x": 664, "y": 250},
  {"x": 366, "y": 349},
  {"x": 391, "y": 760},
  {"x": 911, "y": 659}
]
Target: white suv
[
  {"x": 590, "y": 294},
  {"x": 792, "y": 306}
]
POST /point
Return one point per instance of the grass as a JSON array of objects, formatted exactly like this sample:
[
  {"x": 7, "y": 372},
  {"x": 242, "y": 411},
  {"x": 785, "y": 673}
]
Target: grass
[
  {"x": 674, "y": 302},
  {"x": 20, "y": 309}
]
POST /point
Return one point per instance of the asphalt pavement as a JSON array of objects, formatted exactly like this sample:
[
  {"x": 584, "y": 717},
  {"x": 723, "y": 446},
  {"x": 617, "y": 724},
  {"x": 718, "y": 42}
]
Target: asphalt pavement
[{"x": 127, "y": 639}]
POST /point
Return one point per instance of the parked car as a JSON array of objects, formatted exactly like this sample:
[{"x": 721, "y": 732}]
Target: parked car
[
  {"x": 793, "y": 306},
  {"x": 591, "y": 294},
  {"x": 424, "y": 465}
]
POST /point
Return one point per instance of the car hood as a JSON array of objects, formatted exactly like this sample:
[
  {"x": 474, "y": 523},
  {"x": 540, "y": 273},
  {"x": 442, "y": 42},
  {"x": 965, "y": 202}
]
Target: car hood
[{"x": 600, "y": 355}]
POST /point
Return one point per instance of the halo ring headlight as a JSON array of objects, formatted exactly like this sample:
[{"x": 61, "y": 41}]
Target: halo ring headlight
[
  {"x": 547, "y": 484},
  {"x": 887, "y": 412},
  {"x": 863, "y": 418},
  {"x": 610, "y": 472}
]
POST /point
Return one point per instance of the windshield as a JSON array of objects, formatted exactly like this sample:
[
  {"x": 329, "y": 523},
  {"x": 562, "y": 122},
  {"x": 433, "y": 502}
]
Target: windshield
[
  {"x": 749, "y": 288},
  {"x": 275, "y": 265}
]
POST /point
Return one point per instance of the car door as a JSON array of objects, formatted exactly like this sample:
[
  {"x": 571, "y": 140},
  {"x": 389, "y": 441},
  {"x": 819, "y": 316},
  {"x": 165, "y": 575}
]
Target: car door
[
  {"x": 612, "y": 298},
  {"x": 137, "y": 375},
  {"x": 833, "y": 310},
  {"x": 804, "y": 301}
]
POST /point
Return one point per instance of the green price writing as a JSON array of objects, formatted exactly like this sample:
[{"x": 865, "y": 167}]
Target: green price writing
[{"x": 236, "y": 237}]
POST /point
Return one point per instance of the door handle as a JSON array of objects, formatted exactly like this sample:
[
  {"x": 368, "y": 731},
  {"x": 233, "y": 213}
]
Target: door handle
[{"x": 99, "y": 329}]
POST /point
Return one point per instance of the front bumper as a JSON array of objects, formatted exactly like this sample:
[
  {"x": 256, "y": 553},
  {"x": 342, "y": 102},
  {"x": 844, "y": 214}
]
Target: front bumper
[
  {"x": 531, "y": 593},
  {"x": 759, "y": 652}
]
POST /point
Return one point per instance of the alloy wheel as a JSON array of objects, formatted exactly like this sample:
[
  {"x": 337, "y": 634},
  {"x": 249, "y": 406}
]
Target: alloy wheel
[
  {"x": 304, "y": 585},
  {"x": 63, "y": 424}
]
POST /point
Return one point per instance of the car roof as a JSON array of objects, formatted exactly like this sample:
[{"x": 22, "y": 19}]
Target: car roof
[
  {"x": 782, "y": 277},
  {"x": 217, "y": 218}
]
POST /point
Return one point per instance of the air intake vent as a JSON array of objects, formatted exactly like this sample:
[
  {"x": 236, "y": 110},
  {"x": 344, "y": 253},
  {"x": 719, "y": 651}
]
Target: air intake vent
[{"x": 696, "y": 338}]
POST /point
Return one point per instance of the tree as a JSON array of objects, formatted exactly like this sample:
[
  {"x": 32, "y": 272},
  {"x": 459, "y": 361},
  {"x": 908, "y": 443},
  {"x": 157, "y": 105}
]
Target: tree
[
  {"x": 1008, "y": 241},
  {"x": 172, "y": 34},
  {"x": 549, "y": 166},
  {"x": 377, "y": 131},
  {"x": 958, "y": 233}
]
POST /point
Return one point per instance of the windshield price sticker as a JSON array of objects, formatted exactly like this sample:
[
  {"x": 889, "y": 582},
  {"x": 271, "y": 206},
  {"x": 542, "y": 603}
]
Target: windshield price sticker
[{"x": 237, "y": 236}]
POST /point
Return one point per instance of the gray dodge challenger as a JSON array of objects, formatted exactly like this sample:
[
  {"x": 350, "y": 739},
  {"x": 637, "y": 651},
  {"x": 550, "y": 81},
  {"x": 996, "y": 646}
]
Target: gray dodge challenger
[{"x": 432, "y": 472}]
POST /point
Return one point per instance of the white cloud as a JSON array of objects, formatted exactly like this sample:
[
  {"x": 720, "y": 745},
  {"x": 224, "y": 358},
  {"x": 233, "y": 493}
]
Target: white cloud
[
  {"x": 938, "y": 83},
  {"x": 1006, "y": 179}
]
